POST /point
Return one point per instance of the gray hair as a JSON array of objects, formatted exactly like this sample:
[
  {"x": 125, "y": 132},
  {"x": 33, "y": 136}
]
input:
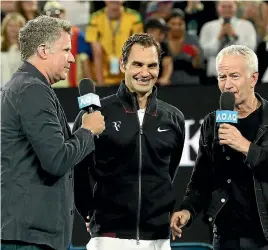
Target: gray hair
[
  {"x": 240, "y": 50},
  {"x": 41, "y": 30}
]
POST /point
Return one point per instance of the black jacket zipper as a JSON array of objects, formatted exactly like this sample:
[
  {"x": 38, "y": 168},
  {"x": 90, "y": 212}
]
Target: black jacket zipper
[
  {"x": 139, "y": 197},
  {"x": 139, "y": 176}
]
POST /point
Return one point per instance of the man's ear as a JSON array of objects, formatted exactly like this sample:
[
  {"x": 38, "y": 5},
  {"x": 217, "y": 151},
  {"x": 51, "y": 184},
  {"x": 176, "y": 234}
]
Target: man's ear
[
  {"x": 122, "y": 65},
  {"x": 254, "y": 79},
  {"x": 43, "y": 51}
]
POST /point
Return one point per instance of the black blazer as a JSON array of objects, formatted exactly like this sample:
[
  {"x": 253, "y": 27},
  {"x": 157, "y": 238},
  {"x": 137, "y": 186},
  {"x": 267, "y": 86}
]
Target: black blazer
[{"x": 38, "y": 153}]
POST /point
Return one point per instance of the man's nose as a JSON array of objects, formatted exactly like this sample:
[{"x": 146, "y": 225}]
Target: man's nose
[
  {"x": 71, "y": 58},
  {"x": 228, "y": 83},
  {"x": 145, "y": 71}
]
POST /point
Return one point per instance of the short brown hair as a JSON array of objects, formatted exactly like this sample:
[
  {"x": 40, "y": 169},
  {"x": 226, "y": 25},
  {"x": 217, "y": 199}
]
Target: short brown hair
[{"x": 143, "y": 39}]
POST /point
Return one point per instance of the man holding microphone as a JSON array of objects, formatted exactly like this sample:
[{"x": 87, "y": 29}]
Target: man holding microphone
[
  {"x": 230, "y": 177},
  {"x": 38, "y": 150}
]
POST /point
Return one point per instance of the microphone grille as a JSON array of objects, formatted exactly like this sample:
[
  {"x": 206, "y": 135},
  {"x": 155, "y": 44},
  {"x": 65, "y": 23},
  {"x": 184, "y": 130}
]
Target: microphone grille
[
  {"x": 86, "y": 86},
  {"x": 227, "y": 101}
]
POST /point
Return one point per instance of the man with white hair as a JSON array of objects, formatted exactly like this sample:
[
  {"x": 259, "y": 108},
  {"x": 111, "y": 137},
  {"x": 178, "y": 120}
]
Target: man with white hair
[{"x": 231, "y": 185}]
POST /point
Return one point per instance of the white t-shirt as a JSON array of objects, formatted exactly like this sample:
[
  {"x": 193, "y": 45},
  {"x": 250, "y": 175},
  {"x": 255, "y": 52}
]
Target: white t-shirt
[{"x": 141, "y": 113}]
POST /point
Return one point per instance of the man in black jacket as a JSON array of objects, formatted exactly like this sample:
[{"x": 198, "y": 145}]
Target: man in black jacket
[
  {"x": 136, "y": 159},
  {"x": 230, "y": 177},
  {"x": 38, "y": 151}
]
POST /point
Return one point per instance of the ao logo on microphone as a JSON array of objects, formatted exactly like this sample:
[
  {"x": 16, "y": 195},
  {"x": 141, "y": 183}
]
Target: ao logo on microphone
[
  {"x": 88, "y": 100},
  {"x": 226, "y": 116}
]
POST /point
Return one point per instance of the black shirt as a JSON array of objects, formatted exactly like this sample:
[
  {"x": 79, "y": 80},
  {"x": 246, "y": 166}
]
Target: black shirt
[{"x": 239, "y": 216}]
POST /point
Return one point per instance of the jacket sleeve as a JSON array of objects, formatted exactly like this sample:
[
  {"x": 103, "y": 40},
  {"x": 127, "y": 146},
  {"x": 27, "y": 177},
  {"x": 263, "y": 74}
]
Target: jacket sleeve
[
  {"x": 257, "y": 158},
  {"x": 177, "y": 152},
  {"x": 37, "y": 110},
  {"x": 83, "y": 182},
  {"x": 199, "y": 187}
]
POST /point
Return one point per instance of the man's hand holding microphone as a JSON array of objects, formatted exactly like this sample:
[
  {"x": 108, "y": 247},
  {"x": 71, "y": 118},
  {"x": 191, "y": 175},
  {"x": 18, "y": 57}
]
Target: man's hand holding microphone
[
  {"x": 88, "y": 101},
  {"x": 226, "y": 119},
  {"x": 93, "y": 122},
  {"x": 231, "y": 136}
]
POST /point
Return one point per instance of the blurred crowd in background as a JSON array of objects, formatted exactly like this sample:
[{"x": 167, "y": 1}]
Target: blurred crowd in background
[{"x": 190, "y": 33}]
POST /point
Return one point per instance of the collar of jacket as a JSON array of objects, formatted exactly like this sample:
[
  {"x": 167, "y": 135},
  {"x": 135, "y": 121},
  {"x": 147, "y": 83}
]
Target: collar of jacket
[
  {"x": 130, "y": 103},
  {"x": 28, "y": 67},
  {"x": 264, "y": 110}
]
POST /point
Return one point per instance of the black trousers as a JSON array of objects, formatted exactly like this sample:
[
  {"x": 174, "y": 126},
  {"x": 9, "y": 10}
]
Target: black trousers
[{"x": 222, "y": 242}]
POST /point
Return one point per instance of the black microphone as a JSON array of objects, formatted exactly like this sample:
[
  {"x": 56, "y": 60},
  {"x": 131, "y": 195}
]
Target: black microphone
[
  {"x": 226, "y": 114},
  {"x": 226, "y": 20},
  {"x": 227, "y": 101},
  {"x": 88, "y": 100}
]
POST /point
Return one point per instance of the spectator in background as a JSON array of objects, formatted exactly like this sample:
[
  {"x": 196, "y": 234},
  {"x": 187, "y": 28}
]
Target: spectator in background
[
  {"x": 77, "y": 12},
  {"x": 28, "y": 9},
  {"x": 255, "y": 12},
  {"x": 54, "y": 9},
  {"x": 226, "y": 30},
  {"x": 196, "y": 14},
  {"x": 80, "y": 49},
  {"x": 157, "y": 28},
  {"x": 185, "y": 50},
  {"x": 10, "y": 53},
  {"x": 135, "y": 5},
  {"x": 159, "y": 9},
  {"x": 6, "y": 7},
  {"x": 262, "y": 53},
  {"x": 107, "y": 31}
]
